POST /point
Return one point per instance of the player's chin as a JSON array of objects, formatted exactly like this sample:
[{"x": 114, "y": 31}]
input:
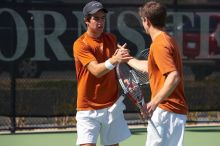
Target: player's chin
[{"x": 101, "y": 28}]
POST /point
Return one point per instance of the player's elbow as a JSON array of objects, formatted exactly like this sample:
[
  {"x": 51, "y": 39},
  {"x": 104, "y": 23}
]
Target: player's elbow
[
  {"x": 176, "y": 77},
  {"x": 95, "y": 69},
  {"x": 173, "y": 77}
]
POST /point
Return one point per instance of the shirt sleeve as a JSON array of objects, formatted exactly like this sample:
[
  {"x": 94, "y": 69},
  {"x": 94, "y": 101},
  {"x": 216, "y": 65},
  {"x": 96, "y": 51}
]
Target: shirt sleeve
[
  {"x": 83, "y": 53},
  {"x": 164, "y": 58}
]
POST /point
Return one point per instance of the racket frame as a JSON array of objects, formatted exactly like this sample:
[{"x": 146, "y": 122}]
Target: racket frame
[{"x": 136, "y": 102}]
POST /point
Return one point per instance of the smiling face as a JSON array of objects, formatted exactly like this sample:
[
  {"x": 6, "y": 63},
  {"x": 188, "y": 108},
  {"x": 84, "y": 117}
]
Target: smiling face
[{"x": 96, "y": 23}]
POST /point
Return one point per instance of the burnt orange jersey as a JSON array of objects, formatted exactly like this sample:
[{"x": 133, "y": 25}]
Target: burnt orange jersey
[
  {"x": 164, "y": 57},
  {"x": 94, "y": 93}
]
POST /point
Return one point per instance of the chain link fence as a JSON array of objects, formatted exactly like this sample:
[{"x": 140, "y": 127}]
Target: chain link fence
[{"x": 50, "y": 101}]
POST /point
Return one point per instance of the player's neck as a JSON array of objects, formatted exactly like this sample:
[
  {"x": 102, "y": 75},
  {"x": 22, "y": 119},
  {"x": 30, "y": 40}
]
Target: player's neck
[
  {"x": 154, "y": 33},
  {"x": 93, "y": 34}
]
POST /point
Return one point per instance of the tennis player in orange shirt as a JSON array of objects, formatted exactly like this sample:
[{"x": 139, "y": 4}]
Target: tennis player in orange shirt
[
  {"x": 99, "y": 108},
  {"x": 167, "y": 107}
]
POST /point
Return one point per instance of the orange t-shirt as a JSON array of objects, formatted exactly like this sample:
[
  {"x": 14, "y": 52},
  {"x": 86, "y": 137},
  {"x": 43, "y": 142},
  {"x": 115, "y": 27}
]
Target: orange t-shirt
[
  {"x": 94, "y": 93},
  {"x": 164, "y": 57}
]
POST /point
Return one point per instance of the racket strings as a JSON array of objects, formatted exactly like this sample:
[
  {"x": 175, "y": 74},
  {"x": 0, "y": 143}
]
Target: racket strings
[
  {"x": 143, "y": 54},
  {"x": 134, "y": 89},
  {"x": 136, "y": 93},
  {"x": 130, "y": 83},
  {"x": 142, "y": 77}
]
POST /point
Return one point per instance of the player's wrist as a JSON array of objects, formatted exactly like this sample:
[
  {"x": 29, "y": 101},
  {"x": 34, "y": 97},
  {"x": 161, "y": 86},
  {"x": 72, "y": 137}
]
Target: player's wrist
[
  {"x": 114, "y": 60},
  {"x": 109, "y": 65},
  {"x": 155, "y": 102}
]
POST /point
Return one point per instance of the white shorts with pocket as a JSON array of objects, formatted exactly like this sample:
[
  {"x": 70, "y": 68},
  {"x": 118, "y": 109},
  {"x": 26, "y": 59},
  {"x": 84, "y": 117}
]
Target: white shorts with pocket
[
  {"x": 109, "y": 125},
  {"x": 170, "y": 126}
]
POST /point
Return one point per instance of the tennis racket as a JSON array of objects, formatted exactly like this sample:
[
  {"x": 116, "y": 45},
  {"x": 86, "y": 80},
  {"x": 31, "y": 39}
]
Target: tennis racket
[{"x": 131, "y": 82}]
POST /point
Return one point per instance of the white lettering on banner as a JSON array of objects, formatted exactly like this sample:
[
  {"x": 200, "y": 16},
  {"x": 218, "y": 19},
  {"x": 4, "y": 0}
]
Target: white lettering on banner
[
  {"x": 204, "y": 30},
  {"x": 178, "y": 26},
  {"x": 52, "y": 38},
  {"x": 60, "y": 28},
  {"x": 80, "y": 22},
  {"x": 130, "y": 33},
  {"x": 22, "y": 35}
]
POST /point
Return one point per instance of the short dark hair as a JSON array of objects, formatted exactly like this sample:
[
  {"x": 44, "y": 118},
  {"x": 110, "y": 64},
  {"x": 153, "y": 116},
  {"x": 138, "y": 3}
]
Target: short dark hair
[
  {"x": 88, "y": 17},
  {"x": 155, "y": 12}
]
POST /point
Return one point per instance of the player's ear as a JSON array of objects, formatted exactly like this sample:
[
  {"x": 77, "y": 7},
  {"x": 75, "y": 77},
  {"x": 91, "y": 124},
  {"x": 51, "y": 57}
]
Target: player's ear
[
  {"x": 87, "y": 19},
  {"x": 148, "y": 22},
  {"x": 144, "y": 19}
]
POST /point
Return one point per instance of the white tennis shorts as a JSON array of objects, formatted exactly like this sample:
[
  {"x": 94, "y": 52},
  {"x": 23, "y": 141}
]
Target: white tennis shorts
[
  {"x": 109, "y": 124},
  {"x": 170, "y": 126}
]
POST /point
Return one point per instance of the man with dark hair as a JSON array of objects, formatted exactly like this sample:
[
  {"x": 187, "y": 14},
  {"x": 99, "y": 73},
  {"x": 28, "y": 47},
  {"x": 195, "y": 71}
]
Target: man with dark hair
[
  {"x": 167, "y": 107},
  {"x": 99, "y": 109}
]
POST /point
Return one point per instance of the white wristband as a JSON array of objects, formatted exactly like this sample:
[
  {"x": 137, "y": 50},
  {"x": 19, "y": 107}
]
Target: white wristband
[{"x": 108, "y": 65}]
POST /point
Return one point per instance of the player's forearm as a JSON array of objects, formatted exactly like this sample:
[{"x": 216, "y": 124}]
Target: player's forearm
[
  {"x": 170, "y": 84},
  {"x": 100, "y": 69},
  {"x": 140, "y": 65}
]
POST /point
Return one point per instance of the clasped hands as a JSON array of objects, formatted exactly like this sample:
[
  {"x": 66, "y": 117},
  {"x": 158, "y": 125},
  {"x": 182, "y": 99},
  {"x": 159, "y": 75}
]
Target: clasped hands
[{"x": 122, "y": 54}]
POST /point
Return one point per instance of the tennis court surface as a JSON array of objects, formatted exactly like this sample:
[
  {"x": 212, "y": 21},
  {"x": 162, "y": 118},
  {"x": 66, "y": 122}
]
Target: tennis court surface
[{"x": 194, "y": 136}]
